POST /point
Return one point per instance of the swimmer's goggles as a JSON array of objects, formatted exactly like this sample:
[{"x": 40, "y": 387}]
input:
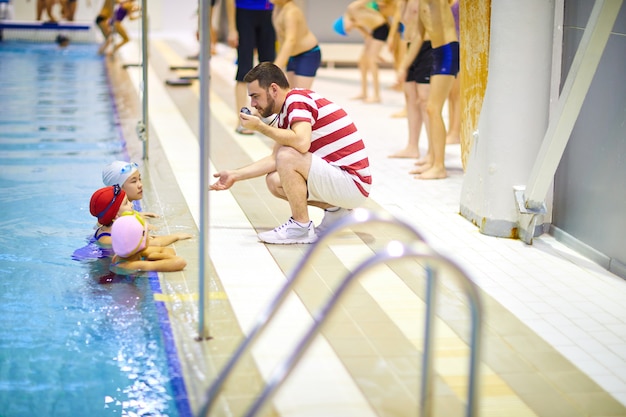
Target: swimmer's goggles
[
  {"x": 137, "y": 216},
  {"x": 129, "y": 167},
  {"x": 116, "y": 192}
]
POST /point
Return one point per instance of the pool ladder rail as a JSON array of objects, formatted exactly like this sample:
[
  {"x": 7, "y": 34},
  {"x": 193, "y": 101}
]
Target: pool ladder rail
[{"x": 394, "y": 250}]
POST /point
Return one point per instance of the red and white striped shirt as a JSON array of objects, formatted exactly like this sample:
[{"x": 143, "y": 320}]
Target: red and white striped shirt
[{"x": 334, "y": 137}]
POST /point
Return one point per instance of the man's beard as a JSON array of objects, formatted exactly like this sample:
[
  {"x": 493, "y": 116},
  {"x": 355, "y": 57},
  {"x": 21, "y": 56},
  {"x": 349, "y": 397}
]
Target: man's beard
[{"x": 268, "y": 110}]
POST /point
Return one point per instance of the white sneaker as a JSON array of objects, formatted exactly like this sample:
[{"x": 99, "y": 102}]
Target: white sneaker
[
  {"x": 329, "y": 218},
  {"x": 290, "y": 233}
]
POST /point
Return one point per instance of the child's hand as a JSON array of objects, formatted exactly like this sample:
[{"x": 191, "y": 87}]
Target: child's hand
[
  {"x": 183, "y": 236},
  {"x": 150, "y": 215},
  {"x": 168, "y": 239}
]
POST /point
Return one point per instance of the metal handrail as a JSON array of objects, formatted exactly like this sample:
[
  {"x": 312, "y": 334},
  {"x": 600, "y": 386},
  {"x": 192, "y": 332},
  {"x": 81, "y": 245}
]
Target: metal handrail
[
  {"x": 145, "y": 122},
  {"x": 204, "y": 139},
  {"x": 394, "y": 250}
]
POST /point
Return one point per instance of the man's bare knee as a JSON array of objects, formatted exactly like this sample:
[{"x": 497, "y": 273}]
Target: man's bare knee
[
  {"x": 272, "y": 180},
  {"x": 287, "y": 156}
]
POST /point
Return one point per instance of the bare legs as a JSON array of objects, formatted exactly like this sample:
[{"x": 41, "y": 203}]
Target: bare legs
[
  {"x": 289, "y": 181},
  {"x": 108, "y": 32},
  {"x": 105, "y": 28},
  {"x": 41, "y": 5},
  {"x": 454, "y": 108},
  {"x": 440, "y": 86},
  {"x": 363, "y": 69},
  {"x": 416, "y": 96},
  {"x": 119, "y": 29},
  {"x": 368, "y": 63},
  {"x": 241, "y": 100},
  {"x": 241, "y": 95},
  {"x": 47, "y": 6},
  {"x": 69, "y": 10},
  {"x": 300, "y": 81}
]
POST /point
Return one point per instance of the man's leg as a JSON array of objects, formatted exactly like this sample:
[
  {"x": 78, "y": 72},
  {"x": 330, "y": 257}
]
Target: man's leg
[{"x": 290, "y": 184}]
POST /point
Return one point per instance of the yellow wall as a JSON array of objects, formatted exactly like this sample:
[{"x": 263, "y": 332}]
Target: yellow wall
[{"x": 475, "y": 18}]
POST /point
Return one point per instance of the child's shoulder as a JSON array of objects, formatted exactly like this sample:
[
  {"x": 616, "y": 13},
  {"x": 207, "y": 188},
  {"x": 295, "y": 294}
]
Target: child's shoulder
[{"x": 102, "y": 236}]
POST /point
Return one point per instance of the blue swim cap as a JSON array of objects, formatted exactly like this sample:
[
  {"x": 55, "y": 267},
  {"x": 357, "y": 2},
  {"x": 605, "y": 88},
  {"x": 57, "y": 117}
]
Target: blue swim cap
[{"x": 338, "y": 27}]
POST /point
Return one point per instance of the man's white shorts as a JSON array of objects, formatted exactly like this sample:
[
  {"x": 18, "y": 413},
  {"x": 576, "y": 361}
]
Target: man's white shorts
[{"x": 330, "y": 184}]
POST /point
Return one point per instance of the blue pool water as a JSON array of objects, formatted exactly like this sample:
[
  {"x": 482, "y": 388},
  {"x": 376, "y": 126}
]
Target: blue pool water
[{"x": 74, "y": 339}]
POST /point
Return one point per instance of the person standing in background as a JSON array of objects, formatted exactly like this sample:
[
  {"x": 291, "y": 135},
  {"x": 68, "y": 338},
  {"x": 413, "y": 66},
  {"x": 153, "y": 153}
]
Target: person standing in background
[
  {"x": 416, "y": 86},
  {"x": 211, "y": 29},
  {"x": 299, "y": 53},
  {"x": 249, "y": 28},
  {"x": 47, "y": 6},
  {"x": 435, "y": 22},
  {"x": 365, "y": 17},
  {"x": 392, "y": 10}
]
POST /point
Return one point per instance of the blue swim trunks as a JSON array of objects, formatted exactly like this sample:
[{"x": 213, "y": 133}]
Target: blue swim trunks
[
  {"x": 446, "y": 59},
  {"x": 306, "y": 63}
]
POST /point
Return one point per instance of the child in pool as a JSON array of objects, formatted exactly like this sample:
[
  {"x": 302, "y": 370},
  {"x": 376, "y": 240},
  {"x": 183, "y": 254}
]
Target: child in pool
[
  {"x": 127, "y": 176},
  {"x": 133, "y": 253},
  {"x": 62, "y": 40},
  {"x": 108, "y": 204}
]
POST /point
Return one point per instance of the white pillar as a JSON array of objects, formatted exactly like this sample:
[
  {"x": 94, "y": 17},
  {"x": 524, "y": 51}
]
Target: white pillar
[{"x": 514, "y": 114}]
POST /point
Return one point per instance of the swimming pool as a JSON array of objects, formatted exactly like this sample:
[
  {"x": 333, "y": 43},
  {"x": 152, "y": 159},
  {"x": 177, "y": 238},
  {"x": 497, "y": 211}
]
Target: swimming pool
[{"x": 75, "y": 340}]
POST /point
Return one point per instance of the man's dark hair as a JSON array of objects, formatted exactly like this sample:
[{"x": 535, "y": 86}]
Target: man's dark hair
[{"x": 267, "y": 73}]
